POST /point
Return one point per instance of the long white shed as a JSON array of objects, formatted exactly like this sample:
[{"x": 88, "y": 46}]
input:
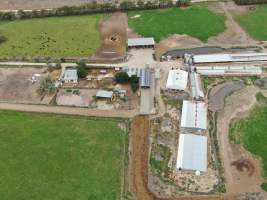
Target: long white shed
[{"x": 192, "y": 153}]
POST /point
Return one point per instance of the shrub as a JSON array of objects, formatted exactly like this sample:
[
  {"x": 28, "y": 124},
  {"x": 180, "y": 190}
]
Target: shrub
[
  {"x": 81, "y": 70},
  {"x": 264, "y": 186},
  {"x": 134, "y": 80},
  {"x": 122, "y": 78},
  {"x": 2, "y": 39},
  {"x": 46, "y": 86}
]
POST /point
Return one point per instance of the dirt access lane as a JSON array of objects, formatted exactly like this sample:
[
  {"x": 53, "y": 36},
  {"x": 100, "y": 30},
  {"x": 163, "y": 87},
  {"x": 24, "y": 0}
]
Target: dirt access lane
[
  {"x": 69, "y": 110},
  {"x": 138, "y": 165}
]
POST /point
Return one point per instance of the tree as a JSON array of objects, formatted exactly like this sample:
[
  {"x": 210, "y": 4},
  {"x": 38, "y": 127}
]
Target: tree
[
  {"x": 81, "y": 70},
  {"x": 122, "y": 77},
  {"x": 46, "y": 86},
  {"x": 134, "y": 83}
]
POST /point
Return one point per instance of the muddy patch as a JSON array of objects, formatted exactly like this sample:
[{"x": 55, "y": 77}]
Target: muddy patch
[{"x": 113, "y": 33}]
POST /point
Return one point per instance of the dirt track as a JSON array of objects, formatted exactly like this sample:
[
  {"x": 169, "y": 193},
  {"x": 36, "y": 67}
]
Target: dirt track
[
  {"x": 138, "y": 178},
  {"x": 69, "y": 110}
]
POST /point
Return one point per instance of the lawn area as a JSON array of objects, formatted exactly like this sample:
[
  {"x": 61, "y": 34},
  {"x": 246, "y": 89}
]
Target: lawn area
[
  {"x": 251, "y": 132},
  {"x": 56, "y": 157},
  {"x": 51, "y": 37},
  {"x": 254, "y": 22},
  {"x": 196, "y": 21}
]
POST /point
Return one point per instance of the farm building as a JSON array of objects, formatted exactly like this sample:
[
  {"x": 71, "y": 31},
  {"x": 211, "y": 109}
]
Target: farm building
[
  {"x": 223, "y": 58},
  {"x": 177, "y": 80},
  {"x": 103, "y": 94},
  {"x": 229, "y": 70},
  {"x": 194, "y": 115},
  {"x": 141, "y": 42},
  {"x": 70, "y": 75},
  {"x": 192, "y": 153},
  {"x": 196, "y": 86},
  {"x": 145, "y": 78}
]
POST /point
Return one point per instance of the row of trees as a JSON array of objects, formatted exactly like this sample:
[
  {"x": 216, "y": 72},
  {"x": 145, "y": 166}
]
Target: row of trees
[
  {"x": 91, "y": 8},
  {"x": 250, "y": 2}
]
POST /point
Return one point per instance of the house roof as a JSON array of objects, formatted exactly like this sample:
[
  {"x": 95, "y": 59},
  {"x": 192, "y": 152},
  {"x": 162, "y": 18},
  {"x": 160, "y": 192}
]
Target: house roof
[
  {"x": 177, "y": 79},
  {"x": 133, "y": 42},
  {"x": 192, "y": 153},
  {"x": 70, "y": 74},
  {"x": 104, "y": 94},
  {"x": 194, "y": 115}
]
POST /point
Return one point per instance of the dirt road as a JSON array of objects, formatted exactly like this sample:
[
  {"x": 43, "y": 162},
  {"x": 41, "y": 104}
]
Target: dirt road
[
  {"x": 138, "y": 165},
  {"x": 234, "y": 34},
  {"x": 69, "y": 110}
]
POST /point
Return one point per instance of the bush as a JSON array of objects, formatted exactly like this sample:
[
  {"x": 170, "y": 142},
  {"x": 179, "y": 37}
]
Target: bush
[
  {"x": 2, "y": 39},
  {"x": 134, "y": 80},
  {"x": 46, "y": 86},
  {"x": 122, "y": 78},
  {"x": 264, "y": 186},
  {"x": 81, "y": 70}
]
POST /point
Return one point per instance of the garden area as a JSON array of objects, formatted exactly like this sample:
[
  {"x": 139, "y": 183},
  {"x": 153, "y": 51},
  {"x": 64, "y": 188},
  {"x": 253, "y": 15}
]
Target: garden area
[
  {"x": 56, "y": 157},
  {"x": 251, "y": 132},
  {"x": 76, "y": 36},
  {"x": 254, "y": 22},
  {"x": 196, "y": 21}
]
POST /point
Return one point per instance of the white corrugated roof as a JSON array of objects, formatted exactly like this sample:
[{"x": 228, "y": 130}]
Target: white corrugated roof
[
  {"x": 194, "y": 115},
  {"x": 177, "y": 80},
  {"x": 70, "y": 74},
  {"x": 141, "y": 41},
  {"x": 229, "y": 70},
  {"x": 216, "y": 58},
  {"x": 192, "y": 153},
  {"x": 104, "y": 94}
]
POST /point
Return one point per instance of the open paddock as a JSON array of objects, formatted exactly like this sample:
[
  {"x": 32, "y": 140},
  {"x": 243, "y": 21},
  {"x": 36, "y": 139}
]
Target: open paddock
[{"x": 16, "y": 87}]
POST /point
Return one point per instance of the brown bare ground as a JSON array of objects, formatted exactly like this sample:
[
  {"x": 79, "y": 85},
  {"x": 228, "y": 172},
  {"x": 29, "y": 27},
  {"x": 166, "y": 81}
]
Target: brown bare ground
[
  {"x": 234, "y": 33},
  {"x": 138, "y": 175},
  {"x": 237, "y": 181},
  {"x": 113, "y": 34},
  {"x": 176, "y": 42}
]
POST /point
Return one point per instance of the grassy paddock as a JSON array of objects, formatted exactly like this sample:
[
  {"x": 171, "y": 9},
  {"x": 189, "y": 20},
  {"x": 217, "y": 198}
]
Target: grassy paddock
[
  {"x": 251, "y": 132},
  {"x": 196, "y": 21},
  {"x": 51, "y": 37},
  {"x": 55, "y": 157},
  {"x": 254, "y": 22}
]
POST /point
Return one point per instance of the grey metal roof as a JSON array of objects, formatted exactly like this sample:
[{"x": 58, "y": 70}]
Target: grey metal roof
[
  {"x": 196, "y": 87},
  {"x": 104, "y": 94},
  {"x": 133, "y": 42},
  {"x": 192, "y": 153},
  {"x": 194, "y": 115},
  {"x": 145, "y": 78},
  {"x": 70, "y": 75}
]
